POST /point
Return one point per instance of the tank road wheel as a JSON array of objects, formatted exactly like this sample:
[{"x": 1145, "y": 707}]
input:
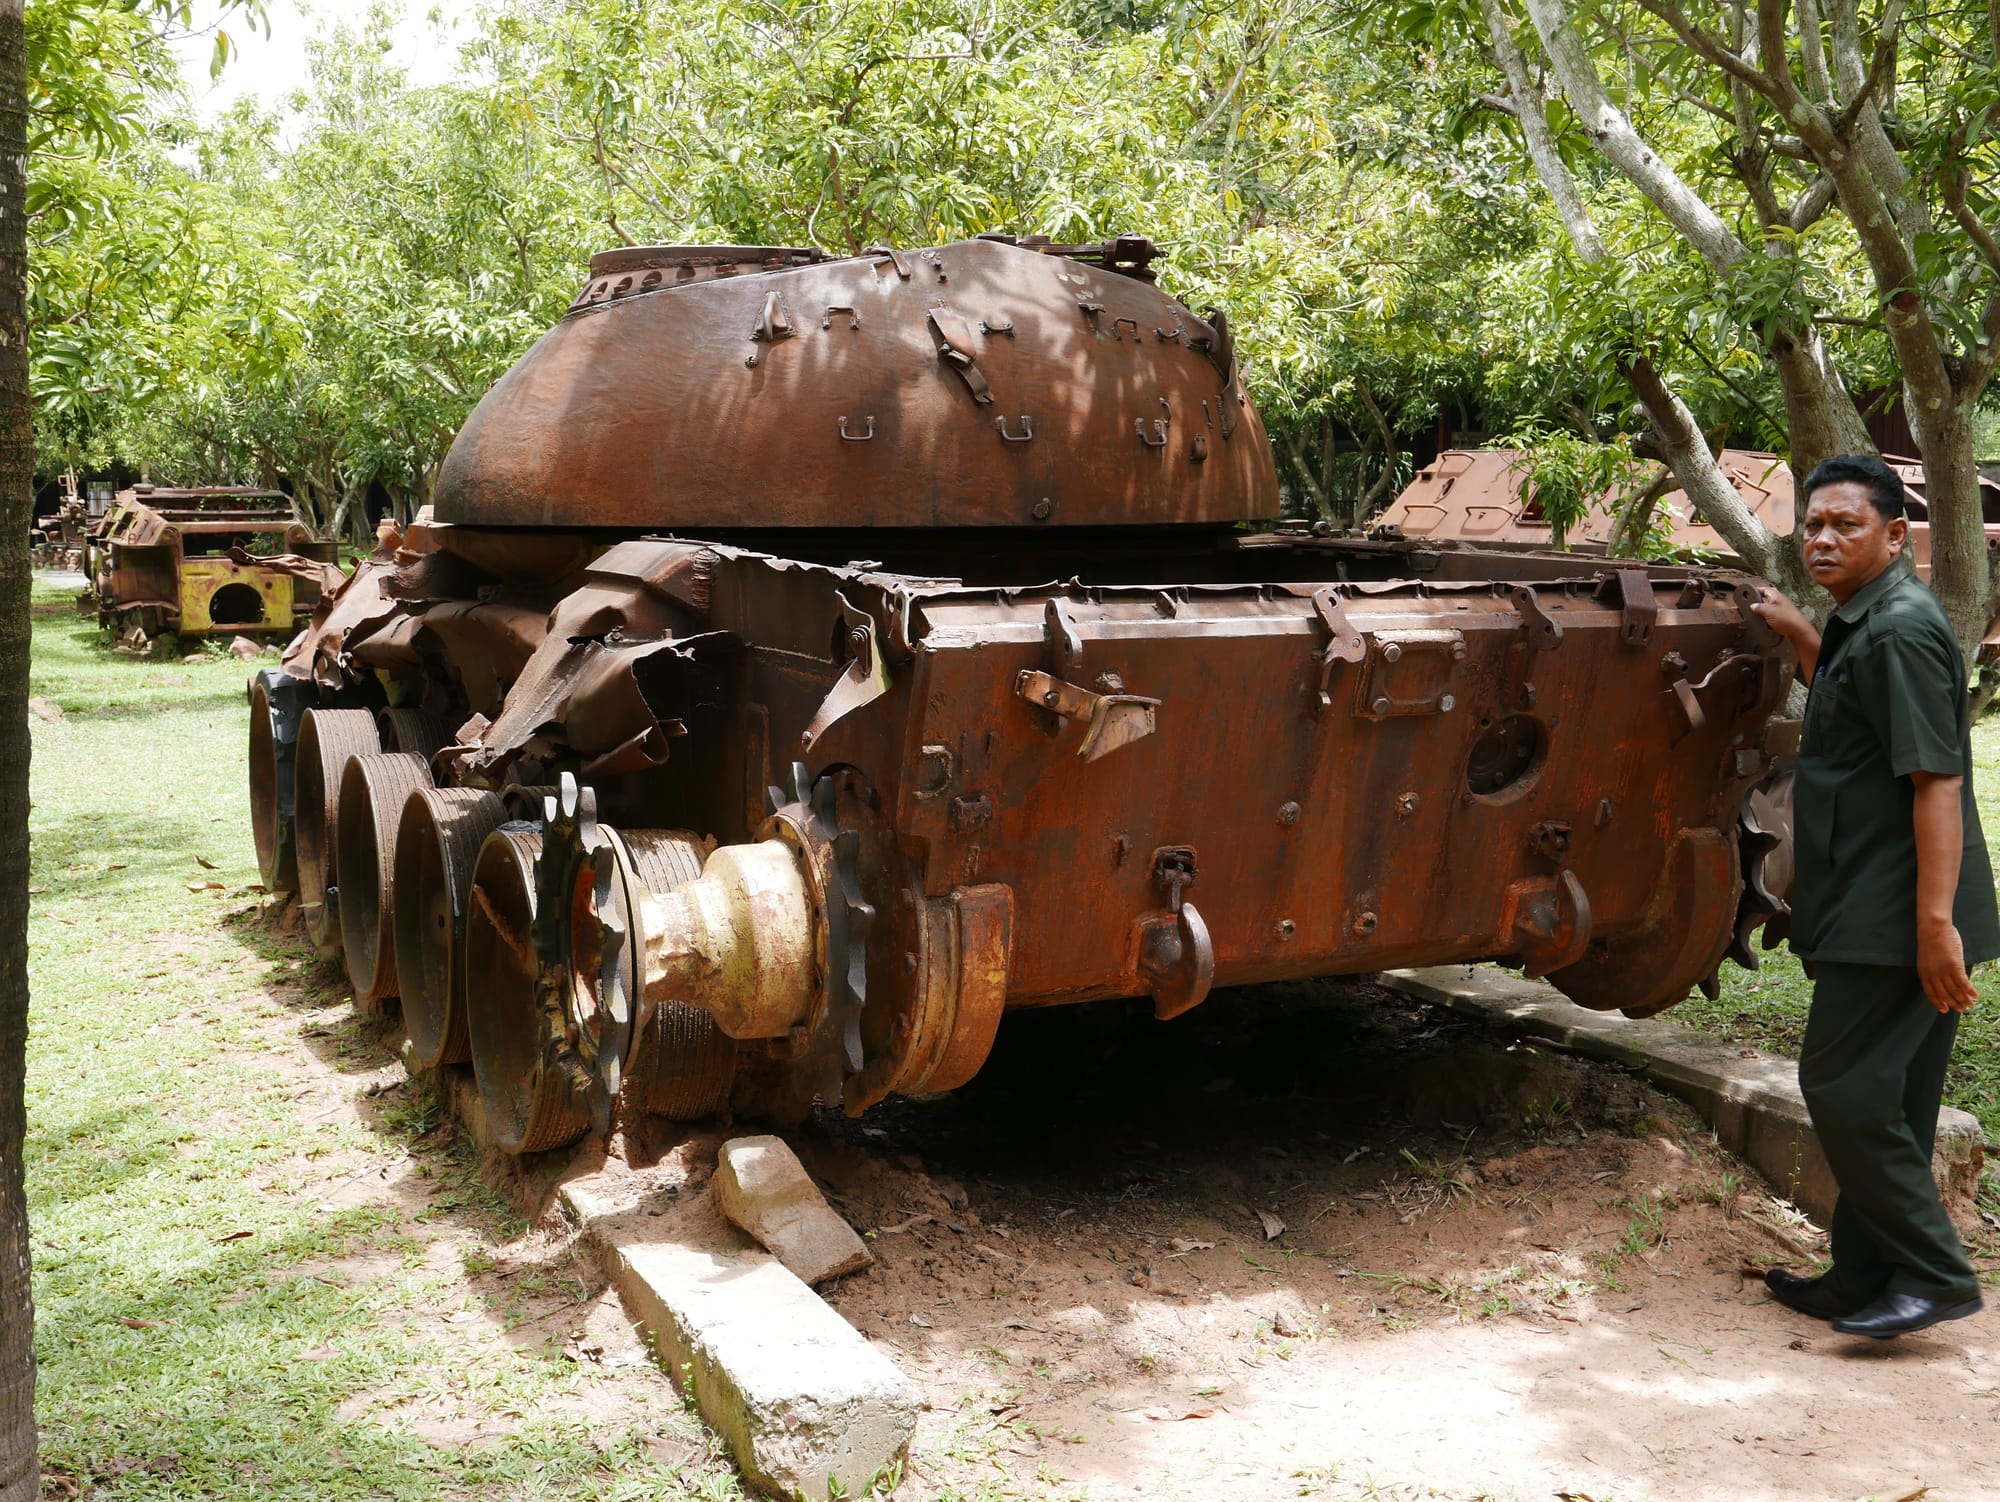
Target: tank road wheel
[
  {"x": 417, "y": 731},
  {"x": 327, "y": 739},
  {"x": 276, "y": 702},
  {"x": 677, "y": 1062},
  {"x": 533, "y": 1097},
  {"x": 437, "y": 841},
  {"x": 373, "y": 790}
]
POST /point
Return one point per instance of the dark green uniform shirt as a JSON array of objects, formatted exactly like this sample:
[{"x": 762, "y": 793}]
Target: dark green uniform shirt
[{"x": 1888, "y": 699}]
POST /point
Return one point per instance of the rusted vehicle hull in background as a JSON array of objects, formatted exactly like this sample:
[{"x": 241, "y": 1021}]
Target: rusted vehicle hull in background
[
  {"x": 197, "y": 562},
  {"x": 769, "y": 823},
  {"x": 1483, "y": 498}
]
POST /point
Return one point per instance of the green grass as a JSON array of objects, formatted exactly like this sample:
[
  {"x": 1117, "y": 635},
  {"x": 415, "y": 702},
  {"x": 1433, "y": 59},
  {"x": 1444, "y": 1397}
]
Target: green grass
[
  {"x": 251, "y": 1279},
  {"x": 1767, "y": 1007}
]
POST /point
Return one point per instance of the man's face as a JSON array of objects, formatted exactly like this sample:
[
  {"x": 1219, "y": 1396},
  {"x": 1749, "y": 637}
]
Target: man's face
[{"x": 1847, "y": 542}]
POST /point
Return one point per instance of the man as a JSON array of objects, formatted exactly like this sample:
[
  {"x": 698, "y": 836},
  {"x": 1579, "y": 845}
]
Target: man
[{"x": 1891, "y": 902}]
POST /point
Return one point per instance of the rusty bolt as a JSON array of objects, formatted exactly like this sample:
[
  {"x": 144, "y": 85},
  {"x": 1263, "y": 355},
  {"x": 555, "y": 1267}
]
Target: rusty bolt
[
  {"x": 1288, "y": 813},
  {"x": 1603, "y": 812},
  {"x": 858, "y": 638},
  {"x": 1381, "y": 704},
  {"x": 1674, "y": 665},
  {"x": 1121, "y": 846},
  {"x": 1283, "y": 929},
  {"x": 1458, "y": 648},
  {"x": 1052, "y": 698},
  {"x": 1407, "y": 804},
  {"x": 1392, "y": 651},
  {"x": 1041, "y": 509},
  {"x": 909, "y": 966},
  {"x": 1364, "y": 925},
  {"x": 1446, "y": 704}
]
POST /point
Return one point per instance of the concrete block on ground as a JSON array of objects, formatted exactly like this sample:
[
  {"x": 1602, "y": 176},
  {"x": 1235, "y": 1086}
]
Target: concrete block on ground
[
  {"x": 761, "y": 1185},
  {"x": 1753, "y": 1103},
  {"x": 801, "y": 1397}
]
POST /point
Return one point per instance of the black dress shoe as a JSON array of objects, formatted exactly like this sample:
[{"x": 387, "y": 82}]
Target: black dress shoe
[
  {"x": 1904, "y": 1314},
  {"x": 1809, "y": 1296}
]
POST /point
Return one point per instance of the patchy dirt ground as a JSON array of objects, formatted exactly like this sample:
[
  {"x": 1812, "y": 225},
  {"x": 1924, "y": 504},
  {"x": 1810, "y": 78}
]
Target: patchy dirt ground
[{"x": 1330, "y": 1243}]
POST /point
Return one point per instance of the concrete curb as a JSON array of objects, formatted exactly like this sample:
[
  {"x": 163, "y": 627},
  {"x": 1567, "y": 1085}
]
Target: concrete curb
[
  {"x": 1751, "y": 1098},
  {"x": 805, "y": 1403}
]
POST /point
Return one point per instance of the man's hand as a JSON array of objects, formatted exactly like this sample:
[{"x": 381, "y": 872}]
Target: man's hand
[
  {"x": 1791, "y": 623},
  {"x": 1941, "y": 967}
]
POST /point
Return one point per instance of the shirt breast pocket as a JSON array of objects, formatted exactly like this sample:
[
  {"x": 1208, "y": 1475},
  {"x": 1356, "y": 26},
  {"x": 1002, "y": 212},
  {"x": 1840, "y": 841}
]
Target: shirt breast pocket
[{"x": 1837, "y": 725}]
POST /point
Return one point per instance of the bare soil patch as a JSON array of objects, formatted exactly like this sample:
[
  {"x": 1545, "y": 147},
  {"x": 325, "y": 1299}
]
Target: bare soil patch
[{"x": 1501, "y": 1274}]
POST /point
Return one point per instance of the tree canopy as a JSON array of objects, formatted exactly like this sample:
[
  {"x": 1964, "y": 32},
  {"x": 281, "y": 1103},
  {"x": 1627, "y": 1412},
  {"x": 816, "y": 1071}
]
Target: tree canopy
[{"x": 1422, "y": 216}]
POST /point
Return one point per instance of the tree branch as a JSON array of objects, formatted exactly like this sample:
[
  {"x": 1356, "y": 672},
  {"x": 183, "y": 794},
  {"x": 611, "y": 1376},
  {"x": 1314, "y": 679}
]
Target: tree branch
[
  {"x": 1383, "y": 480},
  {"x": 1622, "y": 144},
  {"x": 1811, "y": 204},
  {"x": 1699, "y": 41},
  {"x": 1879, "y": 67}
]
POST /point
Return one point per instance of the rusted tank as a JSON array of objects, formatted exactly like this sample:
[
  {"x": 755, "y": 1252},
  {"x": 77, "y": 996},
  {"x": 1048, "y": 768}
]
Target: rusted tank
[
  {"x": 197, "y": 562},
  {"x": 57, "y": 541},
  {"x": 853, "y": 651}
]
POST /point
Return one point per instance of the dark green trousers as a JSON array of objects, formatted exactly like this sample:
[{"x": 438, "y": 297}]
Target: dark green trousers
[{"x": 1872, "y": 1069}]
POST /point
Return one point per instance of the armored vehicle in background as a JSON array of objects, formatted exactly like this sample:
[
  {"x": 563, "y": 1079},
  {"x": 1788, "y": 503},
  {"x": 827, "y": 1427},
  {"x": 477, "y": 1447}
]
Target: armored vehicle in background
[
  {"x": 1485, "y": 498},
  {"x": 810, "y": 660},
  {"x": 196, "y": 562}
]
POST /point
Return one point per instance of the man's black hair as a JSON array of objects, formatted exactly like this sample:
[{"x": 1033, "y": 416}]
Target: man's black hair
[{"x": 1885, "y": 486}]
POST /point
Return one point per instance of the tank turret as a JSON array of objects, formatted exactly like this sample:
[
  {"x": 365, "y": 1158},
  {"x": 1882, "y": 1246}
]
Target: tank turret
[{"x": 988, "y": 383}]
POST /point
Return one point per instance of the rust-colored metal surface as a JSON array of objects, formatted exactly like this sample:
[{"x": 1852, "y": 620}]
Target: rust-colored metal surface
[
  {"x": 373, "y": 790},
  {"x": 198, "y": 562},
  {"x": 328, "y": 739},
  {"x": 980, "y": 384},
  {"x": 1483, "y": 497},
  {"x": 437, "y": 841},
  {"x": 785, "y": 824}
]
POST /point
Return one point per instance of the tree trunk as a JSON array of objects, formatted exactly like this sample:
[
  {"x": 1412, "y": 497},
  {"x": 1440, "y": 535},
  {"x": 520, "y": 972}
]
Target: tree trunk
[
  {"x": 20, "y": 1477},
  {"x": 1679, "y": 437},
  {"x": 1378, "y": 493},
  {"x": 1961, "y": 576}
]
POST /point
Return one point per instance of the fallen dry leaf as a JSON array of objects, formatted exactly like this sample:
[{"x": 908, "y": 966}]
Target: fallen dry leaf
[
  {"x": 45, "y": 709},
  {"x": 319, "y": 1353},
  {"x": 116, "y": 866},
  {"x": 205, "y": 863},
  {"x": 1163, "y": 1416},
  {"x": 38, "y": 891},
  {"x": 669, "y": 1452},
  {"x": 1182, "y": 1246},
  {"x": 1273, "y": 1227},
  {"x": 233, "y": 1236},
  {"x": 204, "y": 886},
  {"x": 133, "y": 1322},
  {"x": 1916, "y": 1496},
  {"x": 920, "y": 1322}
]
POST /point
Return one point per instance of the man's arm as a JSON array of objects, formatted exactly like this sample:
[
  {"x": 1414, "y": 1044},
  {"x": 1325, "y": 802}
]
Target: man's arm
[
  {"x": 1790, "y": 622},
  {"x": 1940, "y": 830}
]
